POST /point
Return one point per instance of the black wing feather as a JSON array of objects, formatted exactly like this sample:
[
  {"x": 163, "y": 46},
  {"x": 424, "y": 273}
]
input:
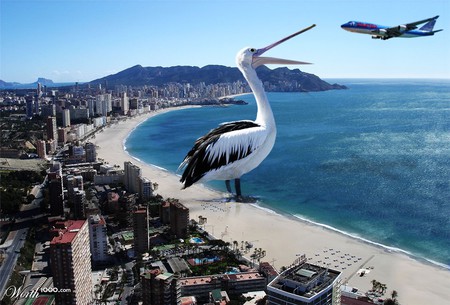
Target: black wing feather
[{"x": 194, "y": 164}]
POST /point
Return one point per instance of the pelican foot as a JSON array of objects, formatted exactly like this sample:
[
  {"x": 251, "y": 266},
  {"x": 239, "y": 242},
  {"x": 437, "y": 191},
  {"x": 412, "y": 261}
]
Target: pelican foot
[{"x": 243, "y": 199}]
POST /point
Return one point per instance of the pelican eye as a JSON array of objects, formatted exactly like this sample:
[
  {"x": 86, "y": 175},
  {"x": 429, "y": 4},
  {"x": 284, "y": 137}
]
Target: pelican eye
[{"x": 253, "y": 50}]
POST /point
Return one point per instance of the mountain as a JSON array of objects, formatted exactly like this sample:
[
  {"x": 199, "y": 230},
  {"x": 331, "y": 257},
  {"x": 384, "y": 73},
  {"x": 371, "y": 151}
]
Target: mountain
[
  {"x": 8, "y": 85},
  {"x": 44, "y": 82},
  {"x": 279, "y": 79},
  {"x": 41, "y": 80}
]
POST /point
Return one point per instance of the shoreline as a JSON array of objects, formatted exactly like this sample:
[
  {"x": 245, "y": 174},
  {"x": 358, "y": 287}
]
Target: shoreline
[{"x": 284, "y": 236}]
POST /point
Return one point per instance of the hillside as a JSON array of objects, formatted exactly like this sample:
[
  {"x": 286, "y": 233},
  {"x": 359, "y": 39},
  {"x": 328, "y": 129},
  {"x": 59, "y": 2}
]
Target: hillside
[{"x": 279, "y": 79}]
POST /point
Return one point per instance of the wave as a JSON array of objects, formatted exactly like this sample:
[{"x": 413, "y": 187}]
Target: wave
[
  {"x": 353, "y": 236},
  {"x": 373, "y": 243}
]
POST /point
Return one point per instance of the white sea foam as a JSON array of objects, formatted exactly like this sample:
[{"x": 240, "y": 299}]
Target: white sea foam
[
  {"x": 352, "y": 235},
  {"x": 376, "y": 244}
]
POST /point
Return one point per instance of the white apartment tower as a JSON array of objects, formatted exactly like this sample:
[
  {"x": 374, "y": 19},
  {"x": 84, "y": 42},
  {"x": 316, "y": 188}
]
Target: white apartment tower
[
  {"x": 132, "y": 177},
  {"x": 98, "y": 238},
  {"x": 146, "y": 189},
  {"x": 66, "y": 118},
  {"x": 124, "y": 103}
]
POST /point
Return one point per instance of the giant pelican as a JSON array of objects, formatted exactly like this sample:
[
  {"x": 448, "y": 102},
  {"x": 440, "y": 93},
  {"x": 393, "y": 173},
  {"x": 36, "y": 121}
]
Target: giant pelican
[{"x": 235, "y": 148}]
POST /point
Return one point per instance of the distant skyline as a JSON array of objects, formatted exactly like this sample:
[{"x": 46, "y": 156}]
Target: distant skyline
[{"x": 69, "y": 40}]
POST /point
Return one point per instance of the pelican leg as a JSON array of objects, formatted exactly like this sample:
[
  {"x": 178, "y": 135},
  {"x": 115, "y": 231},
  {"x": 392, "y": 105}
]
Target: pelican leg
[
  {"x": 237, "y": 185},
  {"x": 227, "y": 183}
]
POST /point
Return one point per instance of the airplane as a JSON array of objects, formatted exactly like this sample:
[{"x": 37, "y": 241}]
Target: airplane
[{"x": 384, "y": 32}]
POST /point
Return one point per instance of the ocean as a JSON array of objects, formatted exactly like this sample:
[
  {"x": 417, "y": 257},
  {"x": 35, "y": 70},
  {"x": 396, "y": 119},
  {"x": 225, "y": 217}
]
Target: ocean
[{"x": 372, "y": 162}]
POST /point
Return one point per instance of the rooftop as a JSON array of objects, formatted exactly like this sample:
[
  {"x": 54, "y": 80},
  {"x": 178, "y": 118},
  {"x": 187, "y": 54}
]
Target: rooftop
[
  {"x": 97, "y": 220},
  {"x": 202, "y": 280},
  {"x": 67, "y": 233},
  {"x": 305, "y": 279}
]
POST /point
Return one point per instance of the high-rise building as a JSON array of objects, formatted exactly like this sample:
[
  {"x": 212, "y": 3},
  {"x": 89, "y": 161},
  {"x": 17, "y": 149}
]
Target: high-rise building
[
  {"x": 41, "y": 149},
  {"x": 146, "y": 189},
  {"x": 36, "y": 104},
  {"x": 91, "y": 152},
  {"x": 78, "y": 209},
  {"x": 124, "y": 103},
  {"x": 304, "y": 284},
  {"x": 132, "y": 174},
  {"x": 62, "y": 136},
  {"x": 160, "y": 288},
  {"x": 76, "y": 196},
  {"x": 39, "y": 90},
  {"x": 98, "y": 106},
  {"x": 98, "y": 238},
  {"x": 179, "y": 219},
  {"x": 30, "y": 106},
  {"x": 103, "y": 104},
  {"x": 71, "y": 264},
  {"x": 51, "y": 146},
  {"x": 48, "y": 110},
  {"x": 91, "y": 107},
  {"x": 140, "y": 230},
  {"x": 56, "y": 194},
  {"x": 66, "y": 118},
  {"x": 52, "y": 133}
]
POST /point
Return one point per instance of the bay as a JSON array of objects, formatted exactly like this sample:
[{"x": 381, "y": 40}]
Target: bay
[{"x": 371, "y": 161}]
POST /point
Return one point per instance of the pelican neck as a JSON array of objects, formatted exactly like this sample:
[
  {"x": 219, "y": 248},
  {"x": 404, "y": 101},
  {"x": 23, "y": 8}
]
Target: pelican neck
[{"x": 264, "y": 114}]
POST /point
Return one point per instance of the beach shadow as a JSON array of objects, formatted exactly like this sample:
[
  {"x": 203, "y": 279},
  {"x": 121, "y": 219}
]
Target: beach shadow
[{"x": 233, "y": 198}]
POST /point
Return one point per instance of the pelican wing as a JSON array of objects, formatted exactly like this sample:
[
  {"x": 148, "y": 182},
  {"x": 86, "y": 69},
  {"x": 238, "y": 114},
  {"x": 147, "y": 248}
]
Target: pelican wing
[{"x": 221, "y": 146}]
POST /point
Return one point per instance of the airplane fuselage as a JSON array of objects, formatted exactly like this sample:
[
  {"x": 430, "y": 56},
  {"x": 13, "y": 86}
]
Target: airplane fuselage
[{"x": 380, "y": 31}]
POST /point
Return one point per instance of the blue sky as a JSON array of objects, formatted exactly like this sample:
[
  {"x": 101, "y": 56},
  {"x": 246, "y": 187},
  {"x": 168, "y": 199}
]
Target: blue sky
[{"x": 81, "y": 40}]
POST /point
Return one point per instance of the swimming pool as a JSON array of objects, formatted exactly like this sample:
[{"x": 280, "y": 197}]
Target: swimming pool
[
  {"x": 196, "y": 240},
  {"x": 202, "y": 261}
]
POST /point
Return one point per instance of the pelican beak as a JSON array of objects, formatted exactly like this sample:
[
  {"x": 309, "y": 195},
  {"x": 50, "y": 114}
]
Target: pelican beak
[{"x": 258, "y": 60}]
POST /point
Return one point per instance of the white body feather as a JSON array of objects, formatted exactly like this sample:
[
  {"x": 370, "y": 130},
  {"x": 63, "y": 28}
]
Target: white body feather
[{"x": 259, "y": 139}]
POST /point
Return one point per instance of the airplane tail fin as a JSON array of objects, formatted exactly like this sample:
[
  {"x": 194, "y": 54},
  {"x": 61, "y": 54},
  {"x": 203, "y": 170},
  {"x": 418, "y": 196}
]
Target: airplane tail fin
[{"x": 428, "y": 26}]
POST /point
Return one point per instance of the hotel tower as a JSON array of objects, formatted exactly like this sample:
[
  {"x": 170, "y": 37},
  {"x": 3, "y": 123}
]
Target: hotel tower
[{"x": 70, "y": 261}]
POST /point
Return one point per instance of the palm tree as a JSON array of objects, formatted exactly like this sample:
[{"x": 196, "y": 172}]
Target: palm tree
[
  {"x": 262, "y": 254},
  {"x": 253, "y": 256},
  {"x": 226, "y": 246},
  {"x": 382, "y": 288},
  {"x": 235, "y": 245},
  {"x": 375, "y": 284},
  {"x": 394, "y": 294},
  {"x": 392, "y": 300}
]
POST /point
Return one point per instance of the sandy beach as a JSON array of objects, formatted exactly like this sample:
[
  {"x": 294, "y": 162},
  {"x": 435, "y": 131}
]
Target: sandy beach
[{"x": 283, "y": 238}]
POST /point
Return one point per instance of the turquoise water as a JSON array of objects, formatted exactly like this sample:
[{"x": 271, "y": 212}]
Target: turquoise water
[{"x": 372, "y": 161}]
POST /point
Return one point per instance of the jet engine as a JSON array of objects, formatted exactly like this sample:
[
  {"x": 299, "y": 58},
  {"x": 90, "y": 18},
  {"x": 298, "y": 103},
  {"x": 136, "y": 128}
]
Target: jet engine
[{"x": 402, "y": 28}]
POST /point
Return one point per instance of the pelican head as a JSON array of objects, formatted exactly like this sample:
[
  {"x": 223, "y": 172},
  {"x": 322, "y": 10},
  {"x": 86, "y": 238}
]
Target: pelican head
[{"x": 250, "y": 58}]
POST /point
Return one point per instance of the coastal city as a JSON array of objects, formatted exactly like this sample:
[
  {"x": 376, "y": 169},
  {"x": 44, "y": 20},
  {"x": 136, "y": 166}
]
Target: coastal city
[{"x": 77, "y": 229}]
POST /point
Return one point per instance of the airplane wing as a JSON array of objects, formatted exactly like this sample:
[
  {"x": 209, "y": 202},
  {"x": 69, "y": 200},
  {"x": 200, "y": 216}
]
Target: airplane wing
[{"x": 400, "y": 29}]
